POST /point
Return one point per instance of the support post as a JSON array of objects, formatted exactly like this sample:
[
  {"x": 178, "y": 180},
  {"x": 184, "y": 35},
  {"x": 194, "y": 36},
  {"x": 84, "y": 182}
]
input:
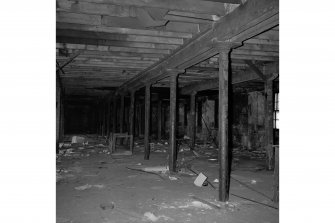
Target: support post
[
  {"x": 159, "y": 119},
  {"x": 147, "y": 122},
  {"x": 173, "y": 117},
  {"x": 132, "y": 119},
  {"x": 114, "y": 114},
  {"x": 268, "y": 90},
  {"x": 62, "y": 122},
  {"x": 103, "y": 106},
  {"x": 108, "y": 116},
  {"x": 276, "y": 177},
  {"x": 163, "y": 119},
  {"x": 122, "y": 114},
  {"x": 224, "y": 176},
  {"x": 58, "y": 118},
  {"x": 192, "y": 120}
]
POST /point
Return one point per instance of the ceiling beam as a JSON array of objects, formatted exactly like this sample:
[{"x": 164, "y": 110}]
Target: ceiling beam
[
  {"x": 255, "y": 69},
  {"x": 119, "y": 37},
  {"x": 104, "y": 42},
  {"x": 118, "y": 30},
  {"x": 248, "y": 20},
  {"x": 214, "y": 8}
]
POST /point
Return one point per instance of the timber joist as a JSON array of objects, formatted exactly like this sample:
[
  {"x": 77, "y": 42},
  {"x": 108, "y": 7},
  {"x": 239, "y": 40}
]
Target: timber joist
[
  {"x": 245, "y": 22},
  {"x": 129, "y": 43}
]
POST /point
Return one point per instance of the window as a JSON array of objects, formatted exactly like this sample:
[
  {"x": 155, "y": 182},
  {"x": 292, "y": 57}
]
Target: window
[{"x": 276, "y": 112}]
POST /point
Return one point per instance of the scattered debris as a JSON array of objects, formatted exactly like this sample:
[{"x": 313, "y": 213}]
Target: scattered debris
[
  {"x": 196, "y": 204},
  {"x": 141, "y": 170},
  {"x": 206, "y": 202},
  {"x": 173, "y": 178},
  {"x": 107, "y": 206},
  {"x": 162, "y": 169},
  {"x": 88, "y": 186},
  {"x": 77, "y": 139},
  {"x": 150, "y": 216},
  {"x": 200, "y": 180},
  {"x": 253, "y": 181},
  {"x": 216, "y": 181}
]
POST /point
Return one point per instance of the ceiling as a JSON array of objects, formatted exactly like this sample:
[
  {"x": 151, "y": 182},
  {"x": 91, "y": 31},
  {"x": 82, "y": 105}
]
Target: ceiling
[{"x": 102, "y": 44}]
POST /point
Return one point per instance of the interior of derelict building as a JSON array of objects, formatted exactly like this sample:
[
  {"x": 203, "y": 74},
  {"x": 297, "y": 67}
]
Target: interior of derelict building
[{"x": 167, "y": 111}]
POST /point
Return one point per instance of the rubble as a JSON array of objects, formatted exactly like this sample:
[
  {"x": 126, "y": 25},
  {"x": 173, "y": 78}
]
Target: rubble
[
  {"x": 88, "y": 186},
  {"x": 200, "y": 180}
]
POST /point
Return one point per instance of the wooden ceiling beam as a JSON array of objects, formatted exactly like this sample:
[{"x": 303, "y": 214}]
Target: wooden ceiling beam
[
  {"x": 259, "y": 47},
  {"x": 179, "y": 5},
  {"x": 110, "y": 49},
  {"x": 262, "y": 41},
  {"x": 118, "y": 37},
  {"x": 127, "y": 31},
  {"x": 97, "y": 9},
  {"x": 255, "y": 69},
  {"x": 237, "y": 78},
  {"x": 104, "y": 42},
  {"x": 255, "y": 16},
  {"x": 122, "y": 54}
]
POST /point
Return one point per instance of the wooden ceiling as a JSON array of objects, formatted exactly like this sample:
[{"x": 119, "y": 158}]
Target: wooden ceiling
[{"x": 104, "y": 44}]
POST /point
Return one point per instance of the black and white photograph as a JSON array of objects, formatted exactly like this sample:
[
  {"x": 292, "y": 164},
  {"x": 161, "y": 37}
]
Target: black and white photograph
[{"x": 167, "y": 111}]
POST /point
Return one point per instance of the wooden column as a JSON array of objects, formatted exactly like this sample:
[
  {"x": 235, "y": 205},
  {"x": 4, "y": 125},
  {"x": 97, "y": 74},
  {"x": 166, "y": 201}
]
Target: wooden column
[
  {"x": 58, "y": 118},
  {"x": 147, "y": 122},
  {"x": 159, "y": 119},
  {"x": 173, "y": 113},
  {"x": 114, "y": 114},
  {"x": 276, "y": 177},
  {"x": 224, "y": 176},
  {"x": 140, "y": 119},
  {"x": 122, "y": 114},
  {"x": 62, "y": 118},
  {"x": 163, "y": 119},
  {"x": 268, "y": 125},
  {"x": 108, "y": 116},
  {"x": 104, "y": 110},
  {"x": 100, "y": 119},
  {"x": 131, "y": 118},
  {"x": 192, "y": 120}
]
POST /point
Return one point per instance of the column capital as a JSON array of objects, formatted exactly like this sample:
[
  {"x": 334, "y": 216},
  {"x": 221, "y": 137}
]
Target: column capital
[
  {"x": 222, "y": 46},
  {"x": 174, "y": 72}
]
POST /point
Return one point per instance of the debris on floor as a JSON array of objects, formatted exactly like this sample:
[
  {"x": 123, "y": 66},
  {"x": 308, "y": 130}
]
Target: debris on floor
[
  {"x": 88, "y": 186},
  {"x": 195, "y": 204},
  {"x": 150, "y": 216},
  {"x": 107, "y": 206},
  {"x": 200, "y": 180}
]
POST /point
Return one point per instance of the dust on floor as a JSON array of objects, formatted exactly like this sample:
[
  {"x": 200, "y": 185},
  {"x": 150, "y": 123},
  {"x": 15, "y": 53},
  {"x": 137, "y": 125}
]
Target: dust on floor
[{"x": 93, "y": 186}]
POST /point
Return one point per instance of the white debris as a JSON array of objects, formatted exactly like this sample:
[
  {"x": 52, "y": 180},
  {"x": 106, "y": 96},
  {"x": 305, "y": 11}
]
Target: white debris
[
  {"x": 186, "y": 137},
  {"x": 200, "y": 180},
  {"x": 77, "y": 139},
  {"x": 196, "y": 204},
  {"x": 162, "y": 169},
  {"x": 216, "y": 181},
  {"x": 253, "y": 181},
  {"x": 173, "y": 178},
  {"x": 150, "y": 216},
  {"x": 88, "y": 186}
]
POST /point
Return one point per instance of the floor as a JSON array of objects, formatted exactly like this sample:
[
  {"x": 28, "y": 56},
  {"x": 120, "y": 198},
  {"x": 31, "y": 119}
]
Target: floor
[{"x": 94, "y": 186}]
